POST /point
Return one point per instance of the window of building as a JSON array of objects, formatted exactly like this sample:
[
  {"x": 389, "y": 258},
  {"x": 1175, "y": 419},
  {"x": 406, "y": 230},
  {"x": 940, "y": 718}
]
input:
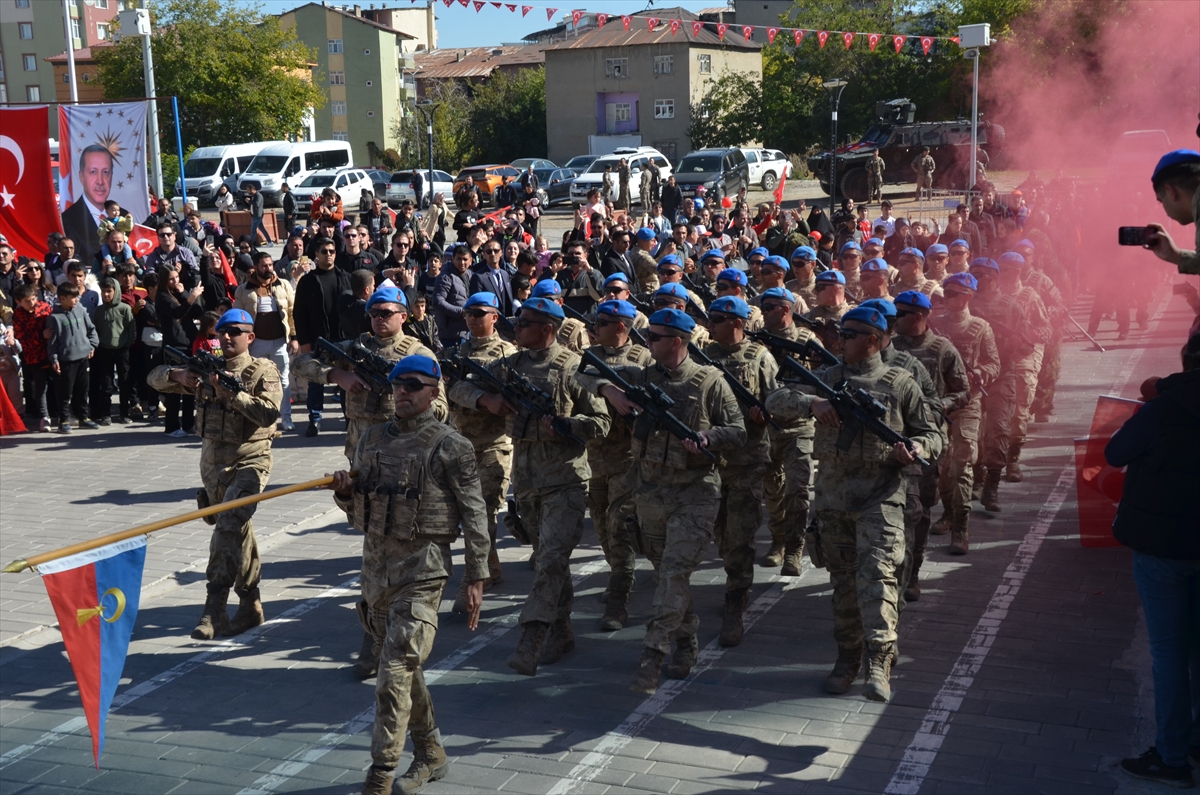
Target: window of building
[
  {"x": 1, "y": 67},
  {"x": 370, "y": 83},
  {"x": 87, "y": 77},
  {"x": 668, "y": 148},
  {"x": 75, "y": 29},
  {"x": 367, "y": 52},
  {"x": 25, "y": 30},
  {"x": 101, "y": 3},
  {"x": 22, "y": 3},
  {"x": 705, "y": 64},
  {"x": 338, "y": 107},
  {"x": 3, "y": 93},
  {"x": 335, "y": 46},
  {"x": 102, "y": 31},
  {"x": 66, "y": 77},
  {"x": 337, "y": 78},
  {"x": 341, "y": 135},
  {"x": 370, "y": 114},
  {"x": 664, "y": 108},
  {"x": 29, "y": 62},
  {"x": 616, "y": 67},
  {"x": 624, "y": 111},
  {"x": 664, "y": 64},
  {"x": 33, "y": 93}
]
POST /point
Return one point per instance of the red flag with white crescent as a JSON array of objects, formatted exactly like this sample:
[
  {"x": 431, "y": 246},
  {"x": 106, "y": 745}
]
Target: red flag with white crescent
[
  {"x": 479, "y": 4},
  {"x": 848, "y": 37},
  {"x": 448, "y": 2},
  {"x": 898, "y": 42},
  {"x": 625, "y": 20},
  {"x": 143, "y": 240},
  {"x": 550, "y": 13},
  {"x": 511, "y": 6},
  {"x": 926, "y": 43},
  {"x": 464, "y": 3},
  {"x": 747, "y": 32},
  {"x": 697, "y": 26},
  {"x": 525, "y": 10},
  {"x": 873, "y": 40},
  {"x": 575, "y": 17},
  {"x": 798, "y": 35},
  {"x": 721, "y": 28},
  {"x": 601, "y": 19},
  {"x": 28, "y": 213},
  {"x": 674, "y": 26},
  {"x": 771, "y": 34},
  {"x": 1098, "y": 486},
  {"x": 822, "y": 37},
  {"x": 652, "y": 23}
]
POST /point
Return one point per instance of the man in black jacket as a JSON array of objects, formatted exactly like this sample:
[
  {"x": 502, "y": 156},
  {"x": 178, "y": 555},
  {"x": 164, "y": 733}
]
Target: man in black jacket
[
  {"x": 255, "y": 203},
  {"x": 316, "y": 315},
  {"x": 450, "y": 293},
  {"x": 672, "y": 199}
]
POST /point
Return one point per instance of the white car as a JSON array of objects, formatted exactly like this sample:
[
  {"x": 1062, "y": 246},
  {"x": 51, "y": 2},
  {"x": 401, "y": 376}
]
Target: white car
[
  {"x": 400, "y": 187},
  {"x": 638, "y": 158},
  {"x": 767, "y": 167},
  {"x": 348, "y": 182}
]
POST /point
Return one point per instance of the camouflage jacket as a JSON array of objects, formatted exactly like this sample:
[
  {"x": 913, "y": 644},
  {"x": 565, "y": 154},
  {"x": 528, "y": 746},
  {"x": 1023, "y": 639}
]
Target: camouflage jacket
[
  {"x": 482, "y": 427},
  {"x": 752, "y": 364},
  {"x": 610, "y": 454}
]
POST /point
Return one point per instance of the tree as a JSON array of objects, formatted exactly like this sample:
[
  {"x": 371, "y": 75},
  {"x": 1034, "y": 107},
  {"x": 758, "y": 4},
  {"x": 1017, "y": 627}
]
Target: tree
[
  {"x": 451, "y": 109},
  {"x": 508, "y": 117},
  {"x": 238, "y": 76},
  {"x": 729, "y": 113}
]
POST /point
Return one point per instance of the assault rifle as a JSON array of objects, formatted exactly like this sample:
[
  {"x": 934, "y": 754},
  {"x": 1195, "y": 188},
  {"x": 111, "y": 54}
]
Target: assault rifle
[
  {"x": 370, "y": 367},
  {"x": 702, "y": 288},
  {"x": 203, "y": 364},
  {"x": 857, "y": 409},
  {"x": 744, "y": 395},
  {"x": 655, "y": 402},
  {"x": 518, "y": 390},
  {"x": 634, "y": 334},
  {"x": 807, "y": 350}
]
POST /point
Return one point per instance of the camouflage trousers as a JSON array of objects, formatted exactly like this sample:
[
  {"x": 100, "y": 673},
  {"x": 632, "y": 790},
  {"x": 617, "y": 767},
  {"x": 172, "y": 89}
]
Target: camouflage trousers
[
  {"x": 233, "y": 551},
  {"x": 1027, "y": 370},
  {"x": 874, "y": 188},
  {"x": 738, "y": 518},
  {"x": 786, "y": 486},
  {"x": 610, "y": 502},
  {"x": 957, "y": 467},
  {"x": 495, "y": 464},
  {"x": 403, "y": 631},
  {"x": 863, "y": 552},
  {"x": 998, "y": 408},
  {"x": 676, "y": 529},
  {"x": 1043, "y": 400},
  {"x": 556, "y": 516},
  {"x": 920, "y": 496}
]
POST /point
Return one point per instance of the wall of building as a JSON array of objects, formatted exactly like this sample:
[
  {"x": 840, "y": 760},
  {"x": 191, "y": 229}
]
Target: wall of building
[{"x": 760, "y": 12}]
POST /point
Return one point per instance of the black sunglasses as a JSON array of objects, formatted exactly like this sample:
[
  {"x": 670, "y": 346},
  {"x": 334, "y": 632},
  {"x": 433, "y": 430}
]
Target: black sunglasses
[
  {"x": 905, "y": 313},
  {"x": 849, "y": 333},
  {"x": 384, "y": 314},
  {"x": 409, "y": 385},
  {"x": 717, "y": 320},
  {"x": 233, "y": 331},
  {"x": 525, "y": 322},
  {"x": 652, "y": 337}
]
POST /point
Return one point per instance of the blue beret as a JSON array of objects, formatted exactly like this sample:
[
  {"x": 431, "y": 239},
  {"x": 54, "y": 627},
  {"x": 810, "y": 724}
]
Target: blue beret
[
  {"x": 732, "y": 275},
  {"x": 936, "y": 248},
  {"x": 777, "y": 262},
  {"x": 1011, "y": 258},
  {"x": 804, "y": 252},
  {"x": 698, "y": 204},
  {"x": 616, "y": 309},
  {"x": 883, "y": 305},
  {"x": 874, "y": 242},
  {"x": 865, "y": 314},
  {"x": 543, "y": 305},
  {"x": 673, "y": 318},
  {"x": 1027, "y": 243},
  {"x": 731, "y": 305},
  {"x": 616, "y": 277},
  {"x": 779, "y": 292},
  {"x": 712, "y": 253},
  {"x": 837, "y": 277},
  {"x": 915, "y": 298},
  {"x": 670, "y": 259},
  {"x": 488, "y": 300},
  {"x": 235, "y": 317},
  {"x": 850, "y": 245},
  {"x": 673, "y": 289},
  {"x": 1178, "y": 157},
  {"x": 915, "y": 252},
  {"x": 545, "y": 287},
  {"x": 961, "y": 244},
  {"x": 646, "y": 233},
  {"x": 875, "y": 265},
  {"x": 984, "y": 262},
  {"x": 962, "y": 280},
  {"x": 422, "y": 365},
  {"x": 387, "y": 295},
  {"x": 758, "y": 252}
]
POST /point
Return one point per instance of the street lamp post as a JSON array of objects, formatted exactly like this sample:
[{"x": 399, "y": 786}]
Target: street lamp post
[
  {"x": 427, "y": 108},
  {"x": 835, "y": 88},
  {"x": 136, "y": 22},
  {"x": 973, "y": 37}
]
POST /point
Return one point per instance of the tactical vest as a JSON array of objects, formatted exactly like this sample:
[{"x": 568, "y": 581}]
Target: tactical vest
[
  {"x": 929, "y": 354},
  {"x": 654, "y": 444},
  {"x": 479, "y": 424},
  {"x": 619, "y": 431},
  {"x": 220, "y": 423},
  {"x": 394, "y": 495},
  {"x": 867, "y": 446},
  {"x": 572, "y": 335},
  {"x": 967, "y": 337},
  {"x": 743, "y": 365},
  {"x": 551, "y": 378},
  {"x": 378, "y": 407}
]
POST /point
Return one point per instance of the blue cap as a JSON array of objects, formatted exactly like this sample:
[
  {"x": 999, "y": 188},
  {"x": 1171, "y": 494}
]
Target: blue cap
[
  {"x": 781, "y": 293},
  {"x": 616, "y": 277},
  {"x": 874, "y": 242},
  {"x": 1178, "y": 157},
  {"x": 712, "y": 253},
  {"x": 984, "y": 262},
  {"x": 1011, "y": 258},
  {"x": 622, "y": 309},
  {"x": 865, "y": 314},
  {"x": 777, "y": 262},
  {"x": 936, "y": 248},
  {"x": 1027, "y": 243},
  {"x": 698, "y": 204},
  {"x": 732, "y": 275},
  {"x": 673, "y": 289},
  {"x": 387, "y": 295},
  {"x": 758, "y": 252},
  {"x": 545, "y": 287},
  {"x": 915, "y": 298},
  {"x": 421, "y": 365},
  {"x": 837, "y": 277},
  {"x": 962, "y": 280},
  {"x": 804, "y": 252},
  {"x": 543, "y": 305},
  {"x": 646, "y": 234},
  {"x": 850, "y": 245},
  {"x": 961, "y": 243},
  {"x": 915, "y": 252},
  {"x": 731, "y": 305},
  {"x": 874, "y": 265},
  {"x": 670, "y": 259},
  {"x": 235, "y": 317},
  {"x": 487, "y": 300},
  {"x": 881, "y": 305},
  {"x": 673, "y": 318}
]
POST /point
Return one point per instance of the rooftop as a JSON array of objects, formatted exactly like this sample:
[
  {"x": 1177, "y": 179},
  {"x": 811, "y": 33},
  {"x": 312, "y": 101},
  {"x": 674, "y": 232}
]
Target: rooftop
[
  {"x": 465, "y": 62},
  {"x": 613, "y": 34},
  {"x": 349, "y": 14}
]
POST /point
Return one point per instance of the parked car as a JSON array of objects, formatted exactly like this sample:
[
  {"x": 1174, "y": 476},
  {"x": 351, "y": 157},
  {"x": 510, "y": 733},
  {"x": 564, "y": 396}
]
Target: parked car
[
  {"x": 522, "y": 163},
  {"x": 767, "y": 167},
  {"x": 580, "y": 163},
  {"x": 721, "y": 171},
  {"x": 380, "y": 179},
  {"x": 638, "y": 158},
  {"x": 487, "y": 178},
  {"x": 400, "y": 187},
  {"x": 208, "y": 167},
  {"x": 555, "y": 185},
  {"x": 293, "y": 163},
  {"x": 348, "y": 182}
]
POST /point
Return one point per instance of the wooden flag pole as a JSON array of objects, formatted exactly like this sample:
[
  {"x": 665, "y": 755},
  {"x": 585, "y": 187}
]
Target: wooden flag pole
[{"x": 21, "y": 564}]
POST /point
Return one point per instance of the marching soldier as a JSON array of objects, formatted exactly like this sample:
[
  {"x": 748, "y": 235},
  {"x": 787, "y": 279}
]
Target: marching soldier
[
  {"x": 236, "y": 429},
  {"x": 850, "y": 261},
  {"x": 912, "y": 266},
  {"x": 924, "y": 165},
  {"x": 416, "y": 484},
  {"x": 572, "y": 334},
  {"x": 873, "y": 281},
  {"x": 645, "y": 269},
  {"x": 616, "y": 288},
  {"x": 830, "y": 297},
  {"x": 803, "y": 283},
  {"x": 550, "y": 472},
  {"x": 1039, "y": 330},
  {"x": 959, "y": 260},
  {"x": 773, "y": 271},
  {"x": 731, "y": 283},
  {"x": 1056, "y": 305},
  {"x": 670, "y": 271},
  {"x": 875, "y": 167},
  {"x": 673, "y": 295}
]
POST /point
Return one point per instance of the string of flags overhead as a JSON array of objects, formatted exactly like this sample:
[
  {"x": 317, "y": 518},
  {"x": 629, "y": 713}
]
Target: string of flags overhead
[{"x": 898, "y": 40}]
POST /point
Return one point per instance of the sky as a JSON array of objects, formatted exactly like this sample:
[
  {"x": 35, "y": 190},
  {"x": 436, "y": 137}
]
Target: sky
[{"x": 463, "y": 27}]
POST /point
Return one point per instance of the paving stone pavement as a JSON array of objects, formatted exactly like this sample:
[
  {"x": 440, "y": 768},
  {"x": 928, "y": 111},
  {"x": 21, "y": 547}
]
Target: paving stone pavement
[{"x": 1061, "y": 695}]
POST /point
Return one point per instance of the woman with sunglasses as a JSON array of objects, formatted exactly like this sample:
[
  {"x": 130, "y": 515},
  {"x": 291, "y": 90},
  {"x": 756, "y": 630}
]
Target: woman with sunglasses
[{"x": 34, "y": 273}]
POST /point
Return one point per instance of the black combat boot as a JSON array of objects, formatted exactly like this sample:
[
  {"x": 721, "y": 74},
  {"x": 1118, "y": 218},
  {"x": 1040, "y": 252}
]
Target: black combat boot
[
  {"x": 214, "y": 620},
  {"x": 774, "y": 557},
  {"x": 731, "y": 618},
  {"x": 879, "y": 674},
  {"x": 649, "y": 672},
  {"x": 684, "y": 658},
  {"x": 559, "y": 640},
  {"x": 616, "y": 611},
  {"x": 845, "y": 671},
  {"x": 368, "y": 662},
  {"x": 249, "y": 613},
  {"x": 525, "y": 659}
]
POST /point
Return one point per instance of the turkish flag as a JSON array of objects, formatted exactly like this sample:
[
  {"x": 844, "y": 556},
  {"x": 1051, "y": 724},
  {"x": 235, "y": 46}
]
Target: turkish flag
[
  {"x": 721, "y": 28},
  {"x": 771, "y": 34},
  {"x": 873, "y": 38},
  {"x": 601, "y": 19},
  {"x": 848, "y": 37},
  {"x": 550, "y": 13},
  {"x": 697, "y": 26},
  {"x": 575, "y": 17},
  {"x": 28, "y": 211},
  {"x": 898, "y": 42},
  {"x": 747, "y": 32},
  {"x": 674, "y": 26},
  {"x": 652, "y": 23},
  {"x": 926, "y": 43},
  {"x": 779, "y": 187},
  {"x": 143, "y": 240},
  {"x": 798, "y": 35},
  {"x": 822, "y": 37},
  {"x": 1099, "y": 486}
]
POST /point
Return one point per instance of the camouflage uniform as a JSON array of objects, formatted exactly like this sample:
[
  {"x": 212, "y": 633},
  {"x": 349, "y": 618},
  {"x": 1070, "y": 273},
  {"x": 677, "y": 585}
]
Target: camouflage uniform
[
  {"x": 921, "y": 284},
  {"x": 366, "y": 408},
  {"x": 645, "y": 269},
  {"x": 924, "y": 166},
  {"x": 875, "y": 167},
  {"x": 804, "y": 292},
  {"x": 1039, "y": 331},
  {"x": 828, "y": 312},
  {"x": 573, "y": 336},
  {"x": 1005, "y": 316},
  {"x": 417, "y": 484},
  {"x": 235, "y": 461},
  {"x": 1056, "y": 308}
]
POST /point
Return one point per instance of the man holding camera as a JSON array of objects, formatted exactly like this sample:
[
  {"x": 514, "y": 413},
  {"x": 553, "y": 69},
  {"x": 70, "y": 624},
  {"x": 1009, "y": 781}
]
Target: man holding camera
[{"x": 1176, "y": 181}]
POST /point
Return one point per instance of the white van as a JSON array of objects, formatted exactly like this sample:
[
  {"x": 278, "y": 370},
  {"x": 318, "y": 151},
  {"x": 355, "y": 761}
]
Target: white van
[
  {"x": 292, "y": 163},
  {"x": 207, "y": 167}
]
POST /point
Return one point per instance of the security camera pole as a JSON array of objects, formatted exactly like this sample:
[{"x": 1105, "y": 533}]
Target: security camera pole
[{"x": 834, "y": 87}]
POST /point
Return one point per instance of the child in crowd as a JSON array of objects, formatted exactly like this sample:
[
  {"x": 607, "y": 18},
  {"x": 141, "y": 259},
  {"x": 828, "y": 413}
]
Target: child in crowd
[
  {"x": 420, "y": 325},
  {"x": 85, "y": 283},
  {"x": 207, "y": 340},
  {"x": 29, "y": 326},
  {"x": 72, "y": 341},
  {"x": 116, "y": 330},
  {"x": 146, "y": 350}
]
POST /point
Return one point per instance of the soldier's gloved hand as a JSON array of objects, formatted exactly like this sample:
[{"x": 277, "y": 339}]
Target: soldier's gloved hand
[
  {"x": 342, "y": 483},
  {"x": 694, "y": 448},
  {"x": 905, "y": 456},
  {"x": 824, "y": 412},
  {"x": 474, "y": 603},
  {"x": 348, "y": 381},
  {"x": 215, "y": 382}
]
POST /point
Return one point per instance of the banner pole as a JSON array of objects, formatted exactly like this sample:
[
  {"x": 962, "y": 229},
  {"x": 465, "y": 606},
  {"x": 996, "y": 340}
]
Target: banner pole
[{"x": 179, "y": 147}]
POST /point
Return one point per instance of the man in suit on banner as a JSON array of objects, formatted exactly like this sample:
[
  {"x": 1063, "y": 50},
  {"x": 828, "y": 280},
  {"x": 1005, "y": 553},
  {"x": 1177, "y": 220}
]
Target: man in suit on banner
[{"x": 81, "y": 221}]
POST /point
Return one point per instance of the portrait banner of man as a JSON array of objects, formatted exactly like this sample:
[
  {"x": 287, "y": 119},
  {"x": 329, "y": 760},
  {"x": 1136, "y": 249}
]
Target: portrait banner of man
[{"x": 101, "y": 157}]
